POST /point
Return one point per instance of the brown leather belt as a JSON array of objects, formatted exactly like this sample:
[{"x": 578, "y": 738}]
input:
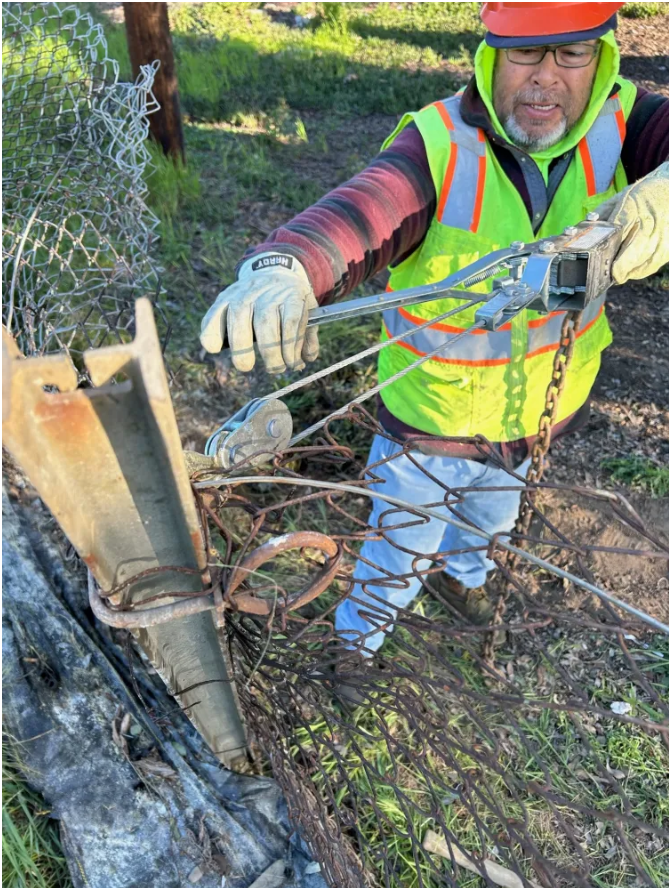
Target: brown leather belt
[{"x": 513, "y": 454}]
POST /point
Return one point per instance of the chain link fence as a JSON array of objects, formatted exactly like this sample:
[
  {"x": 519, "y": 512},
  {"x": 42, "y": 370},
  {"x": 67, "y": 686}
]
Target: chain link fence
[
  {"x": 78, "y": 236},
  {"x": 439, "y": 761}
]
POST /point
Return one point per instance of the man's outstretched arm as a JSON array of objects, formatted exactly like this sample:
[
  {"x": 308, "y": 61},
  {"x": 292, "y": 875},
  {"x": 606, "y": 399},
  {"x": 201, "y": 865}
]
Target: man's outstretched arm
[
  {"x": 378, "y": 217},
  {"x": 355, "y": 231}
]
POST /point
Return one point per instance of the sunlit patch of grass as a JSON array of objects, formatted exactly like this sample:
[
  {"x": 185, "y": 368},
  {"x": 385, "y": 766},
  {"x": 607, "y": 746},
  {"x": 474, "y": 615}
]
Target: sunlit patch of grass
[
  {"x": 639, "y": 473},
  {"x": 643, "y": 10},
  {"x": 32, "y": 855},
  {"x": 173, "y": 186}
]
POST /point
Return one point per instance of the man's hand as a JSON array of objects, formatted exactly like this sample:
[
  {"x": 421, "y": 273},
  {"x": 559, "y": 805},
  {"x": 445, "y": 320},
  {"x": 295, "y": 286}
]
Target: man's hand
[
  {"x": 271, "y": 298},
  {"x": 642, "y": 209}
]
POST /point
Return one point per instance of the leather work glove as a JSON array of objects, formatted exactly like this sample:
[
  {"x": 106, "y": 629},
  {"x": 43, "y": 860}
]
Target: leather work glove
[
  {"x": 271, "y": 298},
  {"x": 642, "y": 209}
]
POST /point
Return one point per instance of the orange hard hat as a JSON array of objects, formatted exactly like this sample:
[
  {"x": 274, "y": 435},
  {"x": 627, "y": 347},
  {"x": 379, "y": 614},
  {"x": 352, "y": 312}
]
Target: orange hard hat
[{"x": 518, "y": 23}]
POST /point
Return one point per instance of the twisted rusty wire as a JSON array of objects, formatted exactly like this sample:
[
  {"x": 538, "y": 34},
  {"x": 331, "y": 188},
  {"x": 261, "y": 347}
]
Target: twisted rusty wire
[{"x": 450, "y": 762}]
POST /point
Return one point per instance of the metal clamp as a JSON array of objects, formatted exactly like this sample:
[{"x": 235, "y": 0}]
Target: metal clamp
[{"x": 256, "y": 431}]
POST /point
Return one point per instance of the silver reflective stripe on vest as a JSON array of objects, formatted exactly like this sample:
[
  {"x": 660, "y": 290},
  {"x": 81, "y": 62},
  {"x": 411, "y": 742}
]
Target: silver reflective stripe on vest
[
  {"x": 459, "y": 209},
  {"x": 493, "y": 346},
  {"x": 548, "y": 335},
  {"x": 605, "y": 144},
  {"x": 473, "y": 348}
]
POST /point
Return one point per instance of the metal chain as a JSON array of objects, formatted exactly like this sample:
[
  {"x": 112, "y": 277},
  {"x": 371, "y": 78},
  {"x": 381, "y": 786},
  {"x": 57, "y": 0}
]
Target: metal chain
[{"x": 539, "y": 450}]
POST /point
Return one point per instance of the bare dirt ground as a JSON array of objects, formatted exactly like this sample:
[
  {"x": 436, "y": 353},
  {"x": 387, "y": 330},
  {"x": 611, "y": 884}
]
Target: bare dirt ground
[{"x": 644, "y": 46}]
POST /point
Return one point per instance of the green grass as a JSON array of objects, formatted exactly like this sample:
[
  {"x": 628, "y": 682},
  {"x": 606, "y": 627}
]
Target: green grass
[
  {"x": 385, "y": 780},
  {"x": 643, "y": 10},
  {"x": 234, "y": 58},
  {"x": 639, "y": 473},
  {"x": 32, "y": 855}
]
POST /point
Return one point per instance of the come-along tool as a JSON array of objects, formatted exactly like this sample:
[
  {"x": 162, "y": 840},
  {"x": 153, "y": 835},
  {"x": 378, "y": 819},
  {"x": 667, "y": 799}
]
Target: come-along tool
[{"x": 563, "y": 273}]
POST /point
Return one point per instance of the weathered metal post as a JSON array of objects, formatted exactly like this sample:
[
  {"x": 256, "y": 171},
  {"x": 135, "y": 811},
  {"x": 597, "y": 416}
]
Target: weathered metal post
[{"x": 108, "y": 463}]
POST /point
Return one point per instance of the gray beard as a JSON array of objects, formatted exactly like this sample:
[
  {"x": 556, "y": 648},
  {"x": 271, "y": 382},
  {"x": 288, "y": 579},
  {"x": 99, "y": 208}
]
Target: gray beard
[{"x": 532, "y": 143}]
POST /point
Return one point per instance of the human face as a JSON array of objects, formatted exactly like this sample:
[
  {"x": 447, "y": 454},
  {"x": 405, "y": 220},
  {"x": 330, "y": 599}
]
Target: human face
[{"x": 538, "y": 104}]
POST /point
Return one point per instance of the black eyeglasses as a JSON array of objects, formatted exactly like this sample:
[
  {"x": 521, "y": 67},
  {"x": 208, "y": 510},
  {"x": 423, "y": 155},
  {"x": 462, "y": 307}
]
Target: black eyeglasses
[{"x": 571, "y": 55}]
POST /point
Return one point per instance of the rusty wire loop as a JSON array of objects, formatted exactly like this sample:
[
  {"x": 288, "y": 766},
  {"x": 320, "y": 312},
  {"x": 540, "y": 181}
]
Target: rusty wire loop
[
  {"x": 222, "y": 593},
  {"x": 543, "y": 763}
]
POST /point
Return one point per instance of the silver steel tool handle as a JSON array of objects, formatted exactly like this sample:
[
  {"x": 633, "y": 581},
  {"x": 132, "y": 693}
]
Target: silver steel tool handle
[{"x": 480, "y": 270}]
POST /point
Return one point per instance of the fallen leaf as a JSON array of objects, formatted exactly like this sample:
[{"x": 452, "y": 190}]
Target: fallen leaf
[
  {"x": 497, "y": 874},
  {"x": 273, "y": 876},
  {"x": 157, "y": 768},
  {"x": 195, "y": 875}
]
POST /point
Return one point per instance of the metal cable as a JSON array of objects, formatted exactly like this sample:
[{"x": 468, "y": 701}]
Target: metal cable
[
  {"x": 365, "y": 353},
  {"x": 434, "y": 514},
  {"x": 397, "y": 376}
]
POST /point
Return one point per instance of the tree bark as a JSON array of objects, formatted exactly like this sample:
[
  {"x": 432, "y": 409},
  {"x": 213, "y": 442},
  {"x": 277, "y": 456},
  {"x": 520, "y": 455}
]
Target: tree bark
[{"x": 148, "y": 34}]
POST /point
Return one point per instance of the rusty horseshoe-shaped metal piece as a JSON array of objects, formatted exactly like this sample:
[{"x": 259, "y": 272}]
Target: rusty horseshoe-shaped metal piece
[
  {"x": 244, "y": 601},
  {"x": 254, "y": 605}
]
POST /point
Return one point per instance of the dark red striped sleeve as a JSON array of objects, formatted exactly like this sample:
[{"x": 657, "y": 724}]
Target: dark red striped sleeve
[
  {"x": 646, "y": 144},
  {"x": 376, "y": 218}
]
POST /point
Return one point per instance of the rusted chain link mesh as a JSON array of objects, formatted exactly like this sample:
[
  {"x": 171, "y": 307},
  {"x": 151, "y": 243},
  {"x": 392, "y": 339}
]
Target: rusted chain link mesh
[
  {"x": 77, "y": 234},
  {"x": 545, "y": 766}
]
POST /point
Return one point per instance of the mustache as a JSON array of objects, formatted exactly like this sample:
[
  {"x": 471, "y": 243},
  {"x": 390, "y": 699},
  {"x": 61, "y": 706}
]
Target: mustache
[{"x": 537, "y": 97}]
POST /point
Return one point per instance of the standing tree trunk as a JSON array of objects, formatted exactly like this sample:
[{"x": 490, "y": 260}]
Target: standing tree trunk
[{"x": 148, "y": 33}]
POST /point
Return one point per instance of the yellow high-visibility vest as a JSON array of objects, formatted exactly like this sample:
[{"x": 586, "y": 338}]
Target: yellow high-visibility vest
[{"x": 494, "y": 383}]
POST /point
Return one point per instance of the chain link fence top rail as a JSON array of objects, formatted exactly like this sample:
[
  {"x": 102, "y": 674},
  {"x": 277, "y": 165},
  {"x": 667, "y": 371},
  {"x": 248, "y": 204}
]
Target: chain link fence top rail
[
  {"x": 431, "y": 763},
  {"x": 77, "y": 233}
]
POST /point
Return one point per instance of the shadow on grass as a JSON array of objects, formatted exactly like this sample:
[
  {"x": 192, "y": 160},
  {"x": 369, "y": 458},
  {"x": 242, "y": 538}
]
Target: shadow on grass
[
  {"x": 221, "y": 77},
  {"x": 446, "y": 43}
]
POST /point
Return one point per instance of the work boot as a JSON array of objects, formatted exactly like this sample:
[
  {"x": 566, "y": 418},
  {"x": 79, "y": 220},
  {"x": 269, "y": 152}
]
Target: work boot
[{"x": 476, "y": 604}]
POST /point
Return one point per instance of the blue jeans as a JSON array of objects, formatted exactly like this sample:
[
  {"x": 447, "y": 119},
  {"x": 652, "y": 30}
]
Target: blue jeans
[{"x": 491, "y": 511}]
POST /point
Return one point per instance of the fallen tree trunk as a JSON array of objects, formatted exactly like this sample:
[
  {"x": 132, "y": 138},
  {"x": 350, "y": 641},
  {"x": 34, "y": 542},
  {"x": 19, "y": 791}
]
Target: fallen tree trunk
[{"x": 141, "y": 800}]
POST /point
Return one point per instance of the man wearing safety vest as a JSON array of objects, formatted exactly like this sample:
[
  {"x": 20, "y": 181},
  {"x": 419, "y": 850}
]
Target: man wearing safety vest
[{"x": 546, "y": 131}]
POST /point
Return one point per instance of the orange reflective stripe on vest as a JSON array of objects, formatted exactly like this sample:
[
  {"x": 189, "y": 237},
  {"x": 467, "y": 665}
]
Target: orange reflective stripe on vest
[
  {"x": 461, "y": 207},
  {"x": 601, "y": 147},
  {"x": 480, "y": 348}
]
